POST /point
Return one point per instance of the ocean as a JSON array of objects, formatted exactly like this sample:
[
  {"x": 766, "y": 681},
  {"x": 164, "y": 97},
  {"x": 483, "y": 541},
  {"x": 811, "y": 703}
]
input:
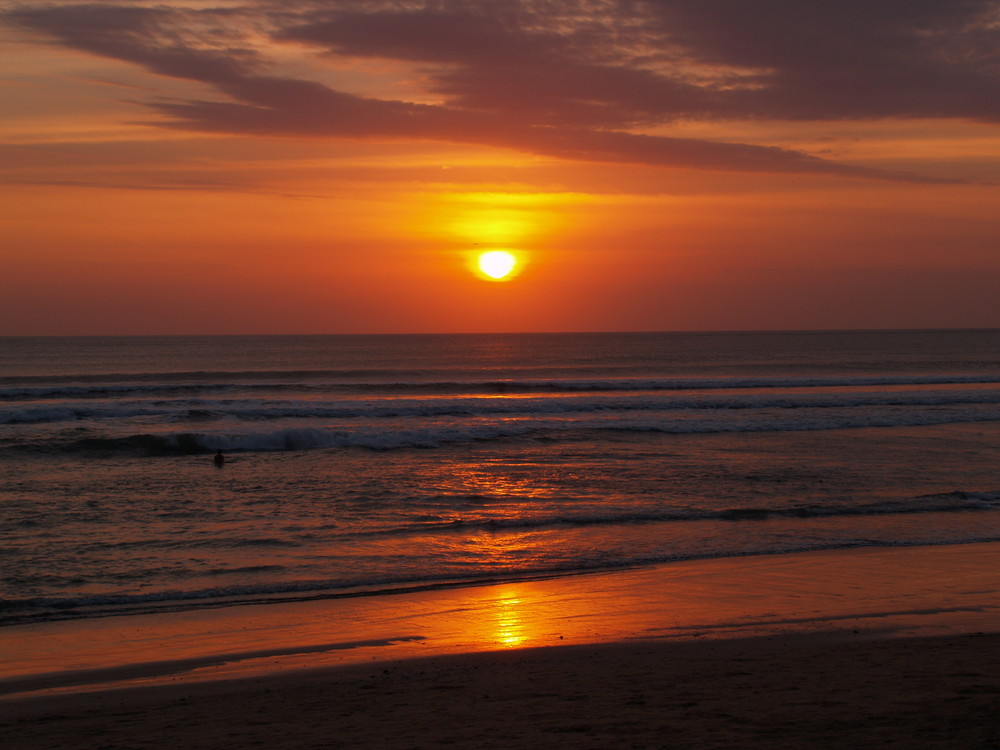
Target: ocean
[{"x": 370, "y": 464}]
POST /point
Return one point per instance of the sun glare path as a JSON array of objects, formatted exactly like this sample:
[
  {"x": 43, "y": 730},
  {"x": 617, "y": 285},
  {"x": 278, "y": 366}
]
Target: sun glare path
[{"x": 497, "y": 264}]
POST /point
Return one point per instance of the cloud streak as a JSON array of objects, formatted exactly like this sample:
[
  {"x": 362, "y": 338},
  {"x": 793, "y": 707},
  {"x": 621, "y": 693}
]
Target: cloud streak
[{"x": 577, "y": 79}]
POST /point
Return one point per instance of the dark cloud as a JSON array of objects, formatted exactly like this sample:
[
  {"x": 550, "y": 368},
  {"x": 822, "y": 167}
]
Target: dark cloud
[
  {"x": 551, "y": 70},
  {"x": 639, "y": 61},
  {"x": 355, "y": 117},
  {"x": 178, "y": 43},
  {"x": 847, "y": 59},
  {"x": 571, "y": 78}
]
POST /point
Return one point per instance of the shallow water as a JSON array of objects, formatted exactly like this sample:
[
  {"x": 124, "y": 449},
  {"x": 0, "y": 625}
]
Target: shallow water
[{"x": 373, "y": 463}]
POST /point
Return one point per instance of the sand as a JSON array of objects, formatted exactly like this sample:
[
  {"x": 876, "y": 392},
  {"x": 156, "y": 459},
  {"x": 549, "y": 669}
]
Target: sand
[
  {"x": 855, "y": 649},
  {"x": 771, "y": 692}
]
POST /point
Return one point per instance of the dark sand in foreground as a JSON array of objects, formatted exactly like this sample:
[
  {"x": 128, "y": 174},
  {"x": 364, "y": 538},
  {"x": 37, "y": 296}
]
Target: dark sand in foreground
[
  {"x": 798, "y": 691},
  {"x": 851, "y": 649}
]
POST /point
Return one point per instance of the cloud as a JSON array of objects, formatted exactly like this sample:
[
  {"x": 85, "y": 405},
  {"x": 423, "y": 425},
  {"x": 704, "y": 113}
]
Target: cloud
[
  {"x": 355, "y": 117},
  {"x": 577, "y": 79},
  {"x": 551, "y": 68},
  {"x": 663, "y": 59},
  {"x": 847, "y": 59},
  {"x": 179, "y": 43}
]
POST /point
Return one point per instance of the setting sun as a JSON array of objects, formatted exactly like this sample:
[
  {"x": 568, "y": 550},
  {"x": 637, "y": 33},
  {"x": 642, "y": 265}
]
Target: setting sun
[{"x": 497, "y": 264}]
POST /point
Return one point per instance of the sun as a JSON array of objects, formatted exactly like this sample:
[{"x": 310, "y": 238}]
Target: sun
[{"x": 497, "y": 264}]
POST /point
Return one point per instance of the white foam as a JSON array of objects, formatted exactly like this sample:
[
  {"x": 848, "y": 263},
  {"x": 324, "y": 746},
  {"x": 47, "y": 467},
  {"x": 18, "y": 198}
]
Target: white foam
[{"x": 261, "y": 409}]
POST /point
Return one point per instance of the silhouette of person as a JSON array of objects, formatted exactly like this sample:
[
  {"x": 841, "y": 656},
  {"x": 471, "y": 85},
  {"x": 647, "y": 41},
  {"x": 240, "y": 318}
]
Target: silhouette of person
[{"x": 219, "y": 459}]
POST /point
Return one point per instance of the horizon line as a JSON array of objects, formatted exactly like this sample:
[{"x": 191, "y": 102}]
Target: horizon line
[{"x": 499, "y": 333}]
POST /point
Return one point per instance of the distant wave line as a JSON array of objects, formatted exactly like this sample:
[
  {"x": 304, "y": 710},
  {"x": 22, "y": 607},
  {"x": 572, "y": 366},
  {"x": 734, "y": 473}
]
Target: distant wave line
[
  {"x": 489, "y": 387},
  {"x": 256, "y": 409},
  {"x": 392, "y": 438}
]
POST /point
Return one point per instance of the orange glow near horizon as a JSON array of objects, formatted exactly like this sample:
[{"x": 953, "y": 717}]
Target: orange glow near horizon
[
  {"x": 498, "y": 217},
  {"x": 350, "y": 185}
]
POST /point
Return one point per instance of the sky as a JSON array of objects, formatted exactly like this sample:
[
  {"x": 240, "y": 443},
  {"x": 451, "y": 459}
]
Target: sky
[{"x": 336, "y": 166}]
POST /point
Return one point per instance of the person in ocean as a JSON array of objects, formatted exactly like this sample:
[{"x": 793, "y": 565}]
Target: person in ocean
[{"x": 219, "y": 459}]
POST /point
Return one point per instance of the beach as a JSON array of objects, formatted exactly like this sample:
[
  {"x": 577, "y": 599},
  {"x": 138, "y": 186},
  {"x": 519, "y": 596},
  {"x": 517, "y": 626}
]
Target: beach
[
  {"x": 506, "y": 374},
  {"x": 779, "y": 692},
  {"x": 554, "y": 540},
  {"x": 814, "y": 653},
  {"x": 569, "y": 374}
]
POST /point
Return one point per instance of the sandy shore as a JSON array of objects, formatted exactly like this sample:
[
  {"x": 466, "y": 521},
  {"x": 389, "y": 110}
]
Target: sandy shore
[
  {"x": 862, "y": 648},
  {"x": 771, "y": 692}
]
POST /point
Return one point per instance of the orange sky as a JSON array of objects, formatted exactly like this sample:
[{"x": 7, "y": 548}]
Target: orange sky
[{"x": 313, "y": 167}]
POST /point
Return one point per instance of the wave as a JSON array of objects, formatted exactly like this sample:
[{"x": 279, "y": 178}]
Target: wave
[
  {"x": 257, "y": 409},
  {"x": 949, "y": 502},
  {"x": 958, "y": 501},
  {"x": 162, "y": 385},
  {"x": 392, "y": 437},
  {"x": 288, "y": 439},
  {"x": 223, "y": 376}
]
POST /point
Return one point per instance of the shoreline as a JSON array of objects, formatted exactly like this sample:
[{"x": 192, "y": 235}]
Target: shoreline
[
  {"x": 895, "y": 647},
  {"x": 884, "y": 592},
  {"x": 82, "y": 613}
]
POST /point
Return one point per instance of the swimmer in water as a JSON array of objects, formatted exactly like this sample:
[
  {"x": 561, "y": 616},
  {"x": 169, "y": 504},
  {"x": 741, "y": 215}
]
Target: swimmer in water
[{"x": 219, "y": 459}]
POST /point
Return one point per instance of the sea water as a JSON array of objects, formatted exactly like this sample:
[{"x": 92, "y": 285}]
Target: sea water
[{"x": 361, "y": 464}]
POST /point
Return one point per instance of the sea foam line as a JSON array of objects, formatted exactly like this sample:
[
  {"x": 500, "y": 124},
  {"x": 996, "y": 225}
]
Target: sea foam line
[
  {"x": 257, "y": 409},
  {"x": 392, "y": 436},
  {"x": 491, "y": 387}
]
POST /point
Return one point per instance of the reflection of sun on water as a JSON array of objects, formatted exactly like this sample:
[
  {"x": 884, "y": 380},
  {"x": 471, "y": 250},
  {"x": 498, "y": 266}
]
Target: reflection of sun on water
[
  {"x": 504, "y": 619},
  {"x": 506, "y": 483},
  {"x": 502, "y": 490},
  {"x": 503, "y": 549},
  {"x": 509, "y": 622}
]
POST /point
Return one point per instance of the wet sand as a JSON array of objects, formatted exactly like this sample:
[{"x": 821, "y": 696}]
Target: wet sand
[
  {"x": 772, "y": 692},
  {"x": 855, "y": 648}
]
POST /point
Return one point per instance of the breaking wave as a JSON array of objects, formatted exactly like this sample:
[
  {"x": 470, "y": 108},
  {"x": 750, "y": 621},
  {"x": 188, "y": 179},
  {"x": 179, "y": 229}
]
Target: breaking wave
[
  {"x": 111, "y": 386},
  {"x": 259, "y": 409},
  {"x": 394, "y": 436}
]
